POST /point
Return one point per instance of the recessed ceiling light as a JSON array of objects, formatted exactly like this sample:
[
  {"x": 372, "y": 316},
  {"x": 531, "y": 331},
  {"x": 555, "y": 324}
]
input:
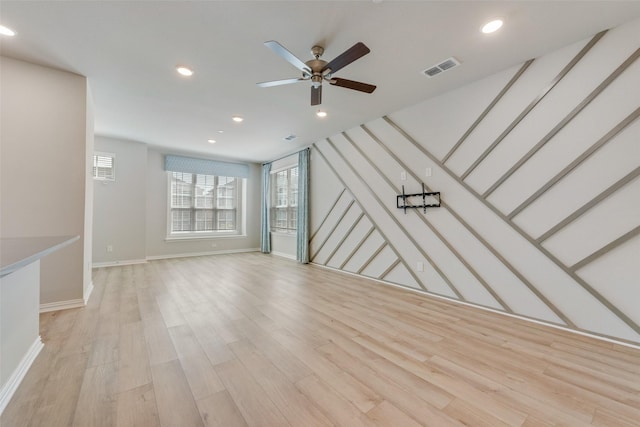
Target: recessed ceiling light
[
  {"x": 220, "y": 131},
  {"x": 321, "y": 113},
  {"x": 185, "y": 71},
  {"x": 7, "y": 31},
  {"x": 237, "y": 119},
  {"x": 211, "y": 141},
  {"x": 492, "y": 26}
]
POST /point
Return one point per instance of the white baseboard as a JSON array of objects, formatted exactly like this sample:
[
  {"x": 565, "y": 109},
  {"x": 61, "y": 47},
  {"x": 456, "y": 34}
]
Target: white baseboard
[
  {"x": 61, "y": 305},
  {"x": 191, "y": 254},
  {"x": 118, "y": 263},
  {"x": 283, "y": 255},
  {"x": 12, "y": 384},
  {"x": 87, "y": 293}
]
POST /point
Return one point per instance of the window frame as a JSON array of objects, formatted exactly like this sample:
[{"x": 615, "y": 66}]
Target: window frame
[
  {"x": 240, "y": 212},
  {"x": 291, "y": 210},
  {"x": 94, "y": 167}
]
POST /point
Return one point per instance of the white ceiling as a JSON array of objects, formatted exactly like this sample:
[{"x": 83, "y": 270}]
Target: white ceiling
[{"x": 129, "y": 50}]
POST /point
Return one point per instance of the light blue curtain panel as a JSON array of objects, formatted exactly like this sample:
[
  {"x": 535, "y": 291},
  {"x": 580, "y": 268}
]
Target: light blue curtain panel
[
  {"x": 265, "y": 236},
  {"x": 302, "y": 254}
]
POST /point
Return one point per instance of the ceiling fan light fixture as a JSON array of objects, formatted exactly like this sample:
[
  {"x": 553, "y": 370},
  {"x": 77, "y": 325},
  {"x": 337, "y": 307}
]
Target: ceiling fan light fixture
[
  {"x": 321, "y": 113},
  {"x": 5, "y": 31},
  {"x": 237, "y": 119},
  {"x": 184, "y": 71},
  {"x": 492, "y": 26}
]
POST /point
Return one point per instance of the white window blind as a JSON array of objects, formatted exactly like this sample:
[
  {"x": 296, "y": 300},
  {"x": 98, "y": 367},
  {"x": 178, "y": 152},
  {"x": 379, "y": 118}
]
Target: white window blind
[{"x": 104, "y": 166}]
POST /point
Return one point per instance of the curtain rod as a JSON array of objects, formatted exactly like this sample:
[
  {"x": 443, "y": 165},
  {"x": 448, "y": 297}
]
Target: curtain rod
[{"x": 284, "y": 157}]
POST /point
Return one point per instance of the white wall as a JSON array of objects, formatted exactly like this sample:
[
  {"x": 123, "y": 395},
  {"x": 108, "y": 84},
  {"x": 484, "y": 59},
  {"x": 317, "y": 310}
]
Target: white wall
[
  {"x": 88, "y": 205},
  {"x": 130, "y": 214},
  {"x": 43, "y": 114},
  {"x": 568, "y": 258},
  {"x": 120, "y": 205}
]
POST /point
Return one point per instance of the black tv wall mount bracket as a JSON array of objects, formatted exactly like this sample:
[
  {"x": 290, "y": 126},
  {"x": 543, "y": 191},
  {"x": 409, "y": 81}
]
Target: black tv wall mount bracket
[{"x": 403, "y": 201}]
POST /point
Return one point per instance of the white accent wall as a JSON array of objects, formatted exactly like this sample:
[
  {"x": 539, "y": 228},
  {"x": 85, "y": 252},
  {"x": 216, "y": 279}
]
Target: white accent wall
[
  {"x": 46, "y": 128},
  {"x": 538, "y": 169}
]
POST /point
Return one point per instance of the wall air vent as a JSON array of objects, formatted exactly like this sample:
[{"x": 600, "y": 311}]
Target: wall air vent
[{"x": 443, "y": 66}]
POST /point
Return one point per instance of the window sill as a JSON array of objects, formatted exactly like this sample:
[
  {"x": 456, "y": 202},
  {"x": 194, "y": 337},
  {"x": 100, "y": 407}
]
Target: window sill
[
  {"x": 284, "y": 233},
  {"x": 207, "y": 237}
]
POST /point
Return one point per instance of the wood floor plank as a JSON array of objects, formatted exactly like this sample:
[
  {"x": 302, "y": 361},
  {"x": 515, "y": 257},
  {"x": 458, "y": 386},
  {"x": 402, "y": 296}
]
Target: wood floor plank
[
  {"x": 202, "y": 378},
  {"x": 256, "y": 340},
  {"x": 385, "y": 414},
  {"x": 343, "y": 382},
  {"x": 214, "y": 347},
  {"x": 335, "y": 407},
  {"x": 136, "y": 407},
  {"x": 133, "y": 367},
  {"x": 159, "y": 344},
  {"x": 251, "y": 399},
  {"x": 218, "y": 410},
  {"x": 298, "y": 410},
  {"x": 175, "y": 403},
  {"x": 59, "y": 397},
  {"x": 97, "y": 403},
  {"x": 405, "y": 399}
]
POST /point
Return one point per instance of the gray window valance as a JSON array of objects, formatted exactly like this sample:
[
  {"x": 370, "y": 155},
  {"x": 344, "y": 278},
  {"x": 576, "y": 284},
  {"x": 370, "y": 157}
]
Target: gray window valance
[{"x": 205, "y": 166}]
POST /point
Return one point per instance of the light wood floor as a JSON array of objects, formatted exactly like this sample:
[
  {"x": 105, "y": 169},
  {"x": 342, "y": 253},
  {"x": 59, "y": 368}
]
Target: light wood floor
[{"x": 256, "y": 340}]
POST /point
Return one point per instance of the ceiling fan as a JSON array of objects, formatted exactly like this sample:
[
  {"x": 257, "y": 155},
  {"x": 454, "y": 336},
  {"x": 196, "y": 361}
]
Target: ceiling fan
[{"x": 317, "y": 70}]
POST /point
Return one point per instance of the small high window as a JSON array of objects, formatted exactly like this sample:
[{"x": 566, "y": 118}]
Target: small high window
[{"x": 104, "y": 166}]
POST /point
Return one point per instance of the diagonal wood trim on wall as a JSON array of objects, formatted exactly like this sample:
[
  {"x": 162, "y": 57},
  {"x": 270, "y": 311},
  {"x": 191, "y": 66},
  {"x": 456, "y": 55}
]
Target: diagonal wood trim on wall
[
  {"x": 407, "y": 235},
  {"x": 535, "y": 102},
  {"x": 416, "y": 278},
  {"x": 486, "y": 111},
  {"x": 333, "y": 206},
  {"x": 601, "y": 87},
  {"x": 578, "y": 161},
  {"x": 487, "y": 240},
  {"x": 626, "y": 319},
  {"x": 620, "y": 240},
  {"x": 433, "y": 229},
  {"x": 593, "y": 202}
]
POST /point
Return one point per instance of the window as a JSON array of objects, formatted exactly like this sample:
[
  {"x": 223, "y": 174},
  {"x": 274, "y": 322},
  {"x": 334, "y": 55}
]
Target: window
[
  {"x": 284, "y": 200},
  {"x": 103, "y": 166},
  {"x": 203, "y": 204}
]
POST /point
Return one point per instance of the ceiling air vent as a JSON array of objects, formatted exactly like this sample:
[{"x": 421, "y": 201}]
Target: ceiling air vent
[
  {"x": 290, "y": 137},
  {"x": 445, "y": 65}
]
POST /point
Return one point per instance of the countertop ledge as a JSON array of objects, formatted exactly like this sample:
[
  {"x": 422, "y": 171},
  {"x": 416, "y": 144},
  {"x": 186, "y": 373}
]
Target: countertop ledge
[{"x": 17, "y": 252}]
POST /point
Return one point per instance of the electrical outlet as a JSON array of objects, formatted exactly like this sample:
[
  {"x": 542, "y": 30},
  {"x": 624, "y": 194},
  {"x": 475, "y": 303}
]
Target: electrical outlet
[
  {"x": 109, "y": 248},
  {"x": 420, "y": 266},
  {"x": 403, "y": 176},
  {"x": 428, "y": 172}
]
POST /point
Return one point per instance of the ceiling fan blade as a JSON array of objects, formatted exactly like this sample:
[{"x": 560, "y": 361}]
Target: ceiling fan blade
[
  {"x": 280, "y": 82},
  {"x": 356, "y": 51},
  {"x": 350, "y": 84},
  {"x": 316, "y": 95},
  {"x": 288, "y": 56}
]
